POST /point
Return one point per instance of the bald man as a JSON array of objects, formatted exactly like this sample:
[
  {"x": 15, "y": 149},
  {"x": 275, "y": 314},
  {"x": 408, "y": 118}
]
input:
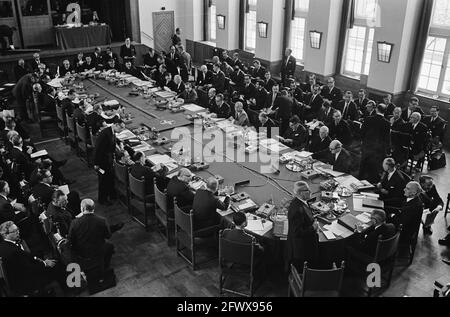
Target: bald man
[
  {"x": 303, "y": 239},
  {"x": 206, "y": 204},
  {"x": 88, "y": 236},
  {"x": 178, "y": 188},
  {"x": 320, "y": 144},
  {"x": 340, "y": 158},
  {"x": 410, "y": 215}
]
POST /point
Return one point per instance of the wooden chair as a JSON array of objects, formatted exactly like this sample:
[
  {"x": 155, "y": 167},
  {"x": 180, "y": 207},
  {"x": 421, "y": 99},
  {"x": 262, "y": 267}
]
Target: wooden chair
[
  {"x": 139, "y": 202},
  {"x": 93, "y": 138},
  {"x": 316, "y": 283},
  {"x": 185, "y": 235},
  {"x": 61, "y": 121},
  {"x": 122, "y": 183},
  {"x": 236, "y": 260},
  {"x": 163, "y": 214},
  {"x": 410, "y": 246},
  {"x": 84, "y": 142},
  {"x": 71, "y": 131},
  {"x": 385, "y": 256},
  {"x": 47, "y": 121}
]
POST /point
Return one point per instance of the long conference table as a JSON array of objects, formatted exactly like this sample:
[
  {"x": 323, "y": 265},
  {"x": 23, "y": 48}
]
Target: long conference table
[{"x": 261, "y": 188}]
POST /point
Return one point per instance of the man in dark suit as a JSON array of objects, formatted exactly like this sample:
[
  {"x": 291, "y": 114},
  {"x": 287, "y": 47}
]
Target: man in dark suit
[
  {"x": 340, "y": 130},
  {"x": 399, "y": 136},
  {"x": 412, "y": 107},
  {"x": 174, "y": 60},
  {"x": 20, "y": 156},
  {"x": 326, "y": 113},
  {"x": 141, "y": 170},
  {"x": 389, "y": 106},
  {"x": 97, "y": 58},
  {"x": 20, "y": 70},
  {"x": 131, "y": 70},
  {"x": 380, "y": 229},
  {"x": 362, "y": 101},
  {"x": 223, "y": 110},
  {"x": 332, "y": 93},
  {"x": 94, "y": 120},
  {"x": 249, "y": 90},
  {"x": 168, "y": 82},
  {"x": 269, "y": 82},
  {"x": 258, "y": 72},
  {"x": 109, "y": 54},
  {"x": 288, "y": 66},
  {"x": 179, "y": 85},
  {"x": 272, "y": 97},
  {"x": 431, "y": 201},
  {"x": 435, "y": 123},
  {"x": 237, "y": 61},
  {"x": 204, "y": 77},
  {"x": 340, "y": 158},
  {"x": 103, "y": 161},
  {"x": 226, "y": 58},
  {"x": 178, "y": 188},
  {"x": 26, "y": 273},
  {"x": 260, "y": 96},
  {"x": 283, "y": 110},
  {"x": 320, "y": 144},
  {"x": 60, "y": 218},
  {"x": 348, "y": 108},
  {"x": 410, "y": 216},
  {"x": 65, "y": 69},
  {"x": 392, "y": 185},
  {"x": 313, "y": 103},
  {"x": 189, "y": 95},
  {"x": 49, "y": 101},
  {"x": 8, "y": 211},
  {"x": 89, "y": 65},
  {"x": 419, "y": 135},
  {"x": 376, "y": 143},
  {"x": 238, "y": 79},
  {"x": 265, "y": 124},
  {"x": 150, "y": 59},
  {"x": 218, "y": 80},
  {"x": 44, "y": 189},
  {"x": 88, "y": 236},
  {"x": 295, "y": 91},
  {"x": 296, "y": 136},
  {"x": 127, "y": 51},
  {"x": 34, "y": 64},
  {"x": 303, "y": 238},
  {"x": 206, "y": 203}
]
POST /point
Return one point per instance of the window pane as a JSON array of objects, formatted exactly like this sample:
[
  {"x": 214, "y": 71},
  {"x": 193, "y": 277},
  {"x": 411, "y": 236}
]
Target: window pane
[
  {"x": 366, "y": 9},
  {"x": 213, "y": 17},
  {"x": 369, "y": 51},
  {"x": 298, "y": 38},
  {"x": 441, "y": 15},
  {"x": 251, "y": 30},
  {"x": 355, "y": 50},
  {"x": 6, "y": 9},
  {"x": 301, "y": 6},
  {"x": 33, "y": 7},
  {"x": 252, "y": 2},
  {"x": 446, "y": 85},
  {"x": 432, "y": 64}
]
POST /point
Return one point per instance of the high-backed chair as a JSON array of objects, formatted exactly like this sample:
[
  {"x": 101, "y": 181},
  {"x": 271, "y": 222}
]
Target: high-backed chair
[
  {"x": 164, "y": 215},
  {"x": 61, "y": 120},
  {"x": 139, "y": 202},
  {"x": 84, "y": 142},
  {"x": 385, "y": 255},
  {"x": 185, "y": 235},
  {"x": 236, "y": 260},
  {"x": 71, "y": 131},
  {"x": 122, "y": 182},
  {"x": 447, "y": 207},
  {"x": 316, "y": 283}
]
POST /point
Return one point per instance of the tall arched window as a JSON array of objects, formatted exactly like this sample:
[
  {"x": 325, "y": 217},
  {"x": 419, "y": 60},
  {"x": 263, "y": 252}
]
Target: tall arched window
[
  {"x": 298, "y": 29},
  {"x": 250, "y": 25}
]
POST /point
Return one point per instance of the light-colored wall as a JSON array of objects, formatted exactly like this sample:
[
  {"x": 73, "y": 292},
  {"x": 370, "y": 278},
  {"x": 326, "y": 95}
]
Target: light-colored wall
[
  {"x": 229, "y": 37},
  {"x": 270, "y": 48}
]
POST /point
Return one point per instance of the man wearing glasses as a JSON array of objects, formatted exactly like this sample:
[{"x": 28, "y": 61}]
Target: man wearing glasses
[{"x": 340, "y": 158}]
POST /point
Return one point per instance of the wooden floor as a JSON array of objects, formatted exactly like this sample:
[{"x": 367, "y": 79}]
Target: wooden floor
[{"x": 146, "y": 266}]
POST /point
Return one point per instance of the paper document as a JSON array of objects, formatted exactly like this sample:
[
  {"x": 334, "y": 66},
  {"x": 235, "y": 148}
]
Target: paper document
[
  {"x": 329, "y": 235},
  {"x": 193, "y": 108},
  {"x": 65, "y": 189},
  {"x": 39, "y": 154},
  {"x": 125, "y": 135}
]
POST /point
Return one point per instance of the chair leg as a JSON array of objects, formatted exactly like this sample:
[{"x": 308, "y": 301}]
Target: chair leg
[{"x": 194, "y": 267}]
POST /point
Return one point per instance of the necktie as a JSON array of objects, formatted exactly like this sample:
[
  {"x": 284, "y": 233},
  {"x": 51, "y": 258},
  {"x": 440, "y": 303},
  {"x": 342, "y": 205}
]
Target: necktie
[{"x": 345, "y": 110}]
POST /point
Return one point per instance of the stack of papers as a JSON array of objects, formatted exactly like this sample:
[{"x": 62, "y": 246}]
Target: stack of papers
[
  {"x": 166, "y": 160},
  {"x": 273, "y": 145},
  {"x": 143, "y": 147},
  {"x": 193, "y": 108},
  {"x": 325, "y": 170},
  {"x": 39, "y": 154},
  {"x": 125, "y": 135},
  {"x": 257, "y": 225}
]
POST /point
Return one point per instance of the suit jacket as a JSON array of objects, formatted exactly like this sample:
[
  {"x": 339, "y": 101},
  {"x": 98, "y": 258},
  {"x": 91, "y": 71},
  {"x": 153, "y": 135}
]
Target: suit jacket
[
  {"x": 127, "y": 52},
  {"x": 320, "y": 147},
  {"x": 410, "y": 218},
  {"x": 88, "y": 236},
  {"x": 133, "y": 71},
  {"x": 224, "y": 111},
  {"x": 343, "y": 164},
  {"x": 261, "y": 99},
  {"x": 370, "y": 243},
  {"x": 64, "y": 71},
  {"x": 94, "y": 121},
  {"x": 303, "y": 241},
  {"x": 242, "y": 119},
  {"x": 189, "y": 97},
  {"x": 268, "y": 84},
  {"x": 98, "y": 60},
  {"x": 205, "y": 207},
  {"x": 390, "y": 110},
  {"x": 60, "y": 217},
  {"x": 204, "y": 79},
  {"x": 315, "y": 103},
  {"x": 351, "y": 113},
  {"x": 25, "y": 273},
  {"x": 43, "y": 192},
  {"x": 376, "y": 135},
  {"x": 181, "y": 191},
  {"x": 326, "y": 116},
  {"x": 341, "y": 132},
  {"x": 431, "y": 199},
  {"x": 19, "y": 72},
  {"x": 270, "y": 101},
  {"x": 6, "y": 210},
  {"x": 298, "y": 94},
  {"x": 249, "y": 92},
  {"x": 395, "y": 187},
  {"x": 258, "y": 73},
  {"x": 300, "y": 137},
  {"x": 288, "y": 67},
  {"x": 405, "y": 115},
  {"x": 172, "y": 66},
  {"x": 105, "y": 149},
  {"x": 179, "y": 88},
  {"x": 151, "y": 61},
  {"x": 334, "y": 95},
  {"x": 283, "y": 105},
  {"x": 22, "y": 161},
  {"x": 139, "y": 171},
  {"x": 218, "y": 82},
  {"x": 437, "y": 127},
  {"x": 418, "y": 137},
  {"x": 107, "y": 57},
  {"x": 361, "y": 104}
]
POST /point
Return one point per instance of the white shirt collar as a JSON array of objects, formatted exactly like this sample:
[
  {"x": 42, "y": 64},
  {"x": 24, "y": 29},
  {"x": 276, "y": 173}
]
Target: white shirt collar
[{"x": 19, "y": 148}]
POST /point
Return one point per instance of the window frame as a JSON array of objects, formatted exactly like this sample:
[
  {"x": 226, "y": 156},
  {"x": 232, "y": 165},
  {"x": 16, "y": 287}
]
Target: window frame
[
  {"x": 301, "y": 14},
  {"x": 252, "y": 8},
  {"x": 365, "y": 52}
]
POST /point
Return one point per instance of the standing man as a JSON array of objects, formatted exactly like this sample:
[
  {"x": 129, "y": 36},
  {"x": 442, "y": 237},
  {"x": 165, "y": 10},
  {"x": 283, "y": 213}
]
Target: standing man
[
  {"x": 289, "y": 65},
  {"x": 176, "y": 38},
  {"x": 331, "y": 92},
  {"x": 7, "y": 32},
  {"x": 303, "y": 240},
  {"x": 432, "y": 201},
  {"x": 103, "y": 161}
]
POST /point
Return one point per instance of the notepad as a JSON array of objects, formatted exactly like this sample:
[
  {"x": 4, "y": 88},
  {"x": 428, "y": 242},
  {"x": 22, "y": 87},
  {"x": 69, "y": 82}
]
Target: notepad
[
  {"x": 329, "y": 235},
  {"x": 125, "y": 135},
  {"x": 65, "y": 189},
  {"x": 39, "y": 154}
]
